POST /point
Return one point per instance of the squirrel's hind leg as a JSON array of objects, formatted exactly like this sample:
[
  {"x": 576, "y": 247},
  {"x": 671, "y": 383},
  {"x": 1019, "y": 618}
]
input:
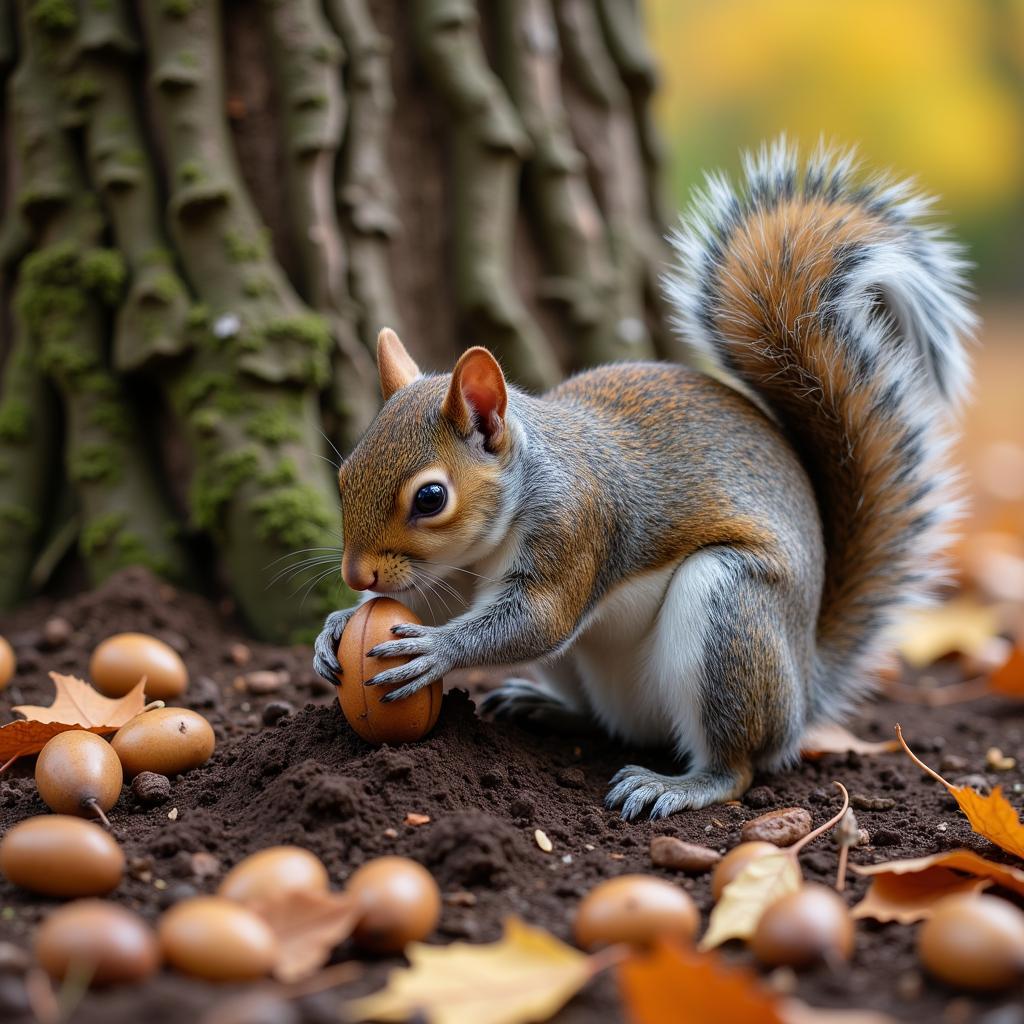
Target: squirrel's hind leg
[
  {"x": 637, "y": 790},
  {"x": 725, "y": 666}
]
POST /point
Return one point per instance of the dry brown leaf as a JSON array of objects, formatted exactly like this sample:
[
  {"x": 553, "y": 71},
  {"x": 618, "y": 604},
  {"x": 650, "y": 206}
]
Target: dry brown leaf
[
  {"x": 834, "y": 739},
  {"x": 961, "y": 626},
  {"x": 906, "y": 898},
  {"x": 893, "y": 873},
  {"x": 991, "y": 816},
  {"x": 76, "y": 705},
  {"x": 527, "y": 975},
  {"x": 673, "y": 985},
  {"x": 1008, "y": 679},
  {"x": 308, "y": 925},
  {"x": 748, "y": 895}
]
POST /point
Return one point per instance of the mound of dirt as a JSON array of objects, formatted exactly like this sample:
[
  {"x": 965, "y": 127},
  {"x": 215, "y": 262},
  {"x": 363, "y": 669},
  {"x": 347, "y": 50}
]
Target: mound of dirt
[{"x": 288, "y": 770}]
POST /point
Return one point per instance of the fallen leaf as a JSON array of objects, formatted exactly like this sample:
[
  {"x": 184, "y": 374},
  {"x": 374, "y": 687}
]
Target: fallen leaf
[
  {"x": 308, "y": 926},
  {"x": 834, "y": 739},
  {"x": 1008, "y": 679},
  {"x": 674, "y": 985},
  {"x": 906, "y": 898},
  {"x": 890, "y": 875},
  {"x": 991, "y": 816},
  {"x": 961, "y": 626},
  {"x": 527, "y": 975},
  {"x": 748, "y": 895},
  {"x": 76, "y": 705}
]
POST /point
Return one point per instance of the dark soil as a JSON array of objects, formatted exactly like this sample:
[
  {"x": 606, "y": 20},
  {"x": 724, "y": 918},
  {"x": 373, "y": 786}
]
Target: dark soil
[{"x": 305, "y": 778}]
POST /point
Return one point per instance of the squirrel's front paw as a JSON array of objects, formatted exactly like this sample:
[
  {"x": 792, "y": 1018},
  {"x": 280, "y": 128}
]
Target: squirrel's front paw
[
  {"x": 325, "y": 648},
  {"x": 428, "y": 659}
]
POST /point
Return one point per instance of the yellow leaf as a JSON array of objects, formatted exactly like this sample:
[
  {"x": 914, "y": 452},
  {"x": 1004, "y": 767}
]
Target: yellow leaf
[
  {"x": 991, "y": 816},
  {"x": 748, "y": 895},
  {"x": 527, "y": 975},
  {"x": 76, "y": 705},
  {"x": 673, "y": 985},
  {"x": 962, "y": 626}
]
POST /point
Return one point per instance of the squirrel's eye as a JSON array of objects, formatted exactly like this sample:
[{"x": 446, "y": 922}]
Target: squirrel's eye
[{"x": 430, "y": 499}]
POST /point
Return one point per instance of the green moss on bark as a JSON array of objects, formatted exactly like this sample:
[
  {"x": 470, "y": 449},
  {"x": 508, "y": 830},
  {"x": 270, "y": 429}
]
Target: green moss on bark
[
  {"x": 93, "y": 462},
  {"x": 293, "y": 517},
  {"x": 15, "y": 420},
  {"x": 216, "y": 485}
]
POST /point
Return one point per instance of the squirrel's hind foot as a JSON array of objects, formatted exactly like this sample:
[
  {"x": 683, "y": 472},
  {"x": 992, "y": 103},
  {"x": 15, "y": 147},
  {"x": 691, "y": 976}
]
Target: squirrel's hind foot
[
  {"x": 524, "y": 701},
  {"x": 637, "y": 791}
]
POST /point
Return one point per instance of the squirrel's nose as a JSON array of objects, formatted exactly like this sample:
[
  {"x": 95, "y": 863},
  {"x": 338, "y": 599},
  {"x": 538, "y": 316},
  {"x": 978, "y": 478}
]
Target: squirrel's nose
[{"x": 358, "y": 576}]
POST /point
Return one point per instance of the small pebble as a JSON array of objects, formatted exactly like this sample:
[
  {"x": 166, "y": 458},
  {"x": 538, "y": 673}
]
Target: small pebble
[
  {"x": 275, "y": 711},
  {"x": 204, "y": 865},
  {"x": 13, "y": 959},
  {"x": 782, "y": 827},
  {"x": 265, "y": 681},
  {"x": 151, "y": 788},
  {"x": 670, "y": 852},
  {"x": 760, "y": 797},
  {"x": 909, "y": 986},
  {"x": 240, "y": 654},
  {"x": 974, "y": 781},
  {"x": 57, "y": 632},
  {"x": 872, "y": 803},
  {"x": 953, "y": 763}
]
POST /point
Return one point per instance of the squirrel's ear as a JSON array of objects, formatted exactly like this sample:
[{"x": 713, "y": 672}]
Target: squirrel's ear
[
  {"x": 395, "y": 365},
  {"x": 477, "y": 397}
]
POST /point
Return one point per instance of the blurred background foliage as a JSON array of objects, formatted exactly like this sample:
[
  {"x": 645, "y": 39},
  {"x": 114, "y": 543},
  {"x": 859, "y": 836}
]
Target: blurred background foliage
[{"x": 932, "y": 89}]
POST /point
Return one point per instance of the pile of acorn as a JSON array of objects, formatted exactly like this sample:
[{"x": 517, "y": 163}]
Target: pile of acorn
[
  {"x": 79, "y": 775},
  {"x": 972, "y": 941}
]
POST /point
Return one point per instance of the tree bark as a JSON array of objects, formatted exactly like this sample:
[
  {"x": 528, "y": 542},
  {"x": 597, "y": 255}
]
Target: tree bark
[{"x": 229, "y": 232}]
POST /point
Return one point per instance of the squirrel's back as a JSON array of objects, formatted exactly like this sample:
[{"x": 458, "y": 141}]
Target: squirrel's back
[{"x": 843, "y": 316}]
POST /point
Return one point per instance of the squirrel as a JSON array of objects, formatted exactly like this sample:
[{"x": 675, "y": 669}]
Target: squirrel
[{"x": 706, "y": 558}]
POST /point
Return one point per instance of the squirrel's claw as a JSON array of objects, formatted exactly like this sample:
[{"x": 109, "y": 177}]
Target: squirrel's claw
[
  {"x": 638, "y": 791},
  {"x": 427, "y": 662},
  {"x": 325, "y": 647}
]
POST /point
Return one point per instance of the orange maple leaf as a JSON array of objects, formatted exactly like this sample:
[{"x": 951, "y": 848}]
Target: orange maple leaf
[
  {"x": 76, "y": 705},
  {"x": 674, "y": 985},
  {"x": 1008, "y": 679},
  {"x": 991, "y": 816}
]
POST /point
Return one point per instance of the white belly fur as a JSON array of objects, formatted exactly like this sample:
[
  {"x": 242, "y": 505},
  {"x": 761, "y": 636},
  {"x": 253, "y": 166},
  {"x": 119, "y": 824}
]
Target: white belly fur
[{"x": 640, "y": 654}]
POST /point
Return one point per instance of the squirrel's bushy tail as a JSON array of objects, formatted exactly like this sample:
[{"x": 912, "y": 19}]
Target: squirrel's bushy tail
[{"x": 844, "y": 317}]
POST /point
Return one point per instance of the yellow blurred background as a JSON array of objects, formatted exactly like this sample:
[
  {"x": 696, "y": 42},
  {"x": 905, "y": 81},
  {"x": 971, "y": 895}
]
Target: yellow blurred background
[{"x": 930, "y": 89}]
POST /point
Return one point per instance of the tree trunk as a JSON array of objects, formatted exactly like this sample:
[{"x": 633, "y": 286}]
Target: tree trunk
[{"x": 211, "y": 208}]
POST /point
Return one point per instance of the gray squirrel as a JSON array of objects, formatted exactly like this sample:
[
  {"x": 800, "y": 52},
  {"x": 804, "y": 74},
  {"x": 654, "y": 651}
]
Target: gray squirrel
[{"x": 703, "y": 560}]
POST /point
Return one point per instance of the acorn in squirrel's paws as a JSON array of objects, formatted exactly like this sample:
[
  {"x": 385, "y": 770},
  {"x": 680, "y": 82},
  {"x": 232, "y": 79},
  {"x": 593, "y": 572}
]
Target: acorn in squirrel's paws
[
  {"x": 375, "y": 708},
  {"x": 706, "y": 562}
]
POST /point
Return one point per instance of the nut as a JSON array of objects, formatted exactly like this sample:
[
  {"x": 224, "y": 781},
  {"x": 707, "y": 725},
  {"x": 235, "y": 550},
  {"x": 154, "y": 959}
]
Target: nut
[
  {"x": 669, "y": 852},
  {"x": 151, "y": 788},
  {"x": 782, "y": 827},
  {"x": 265, "y": 681}
]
